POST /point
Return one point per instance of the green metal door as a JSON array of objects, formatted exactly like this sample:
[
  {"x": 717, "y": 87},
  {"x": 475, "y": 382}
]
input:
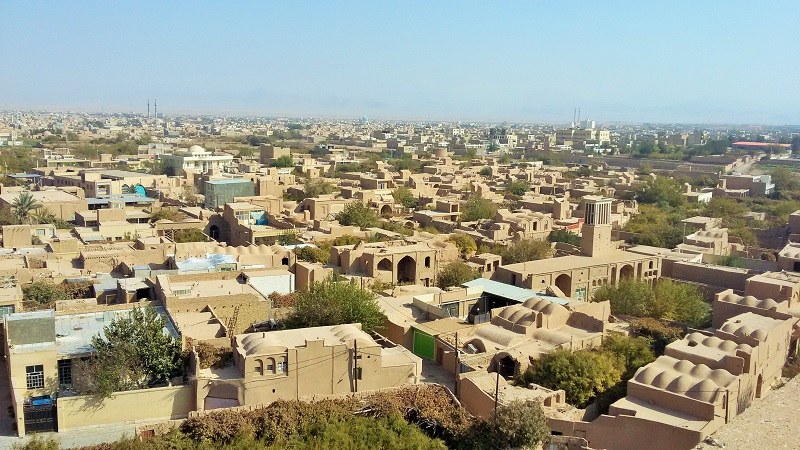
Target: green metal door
[{"x": 423, "y": 344}]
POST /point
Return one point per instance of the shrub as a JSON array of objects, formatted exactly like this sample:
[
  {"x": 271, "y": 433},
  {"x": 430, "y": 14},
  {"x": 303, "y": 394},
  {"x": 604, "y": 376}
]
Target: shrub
[
  {"x": 190, "y": 235},
  {"x": 465, "y": 243},
  {"x": 346, "y": 240},
  {"x": 331, "y": 303},
  {"x": 582, "y": 374},
  {"x": 660, "y": 335},
  {"x": 564, "y": 236},
  {"x": 357, "y": 214},
  {"x": 456, "y": 273},
  {"x": 666, "y": 300},
  {"x": 312, "y": 254},
  {"x": 477, "y": 208},
  {"x": 525, "y": 250}
]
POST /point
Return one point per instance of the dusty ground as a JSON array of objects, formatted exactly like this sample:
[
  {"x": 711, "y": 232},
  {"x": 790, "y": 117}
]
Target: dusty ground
[{"x": 772, "y": 422}]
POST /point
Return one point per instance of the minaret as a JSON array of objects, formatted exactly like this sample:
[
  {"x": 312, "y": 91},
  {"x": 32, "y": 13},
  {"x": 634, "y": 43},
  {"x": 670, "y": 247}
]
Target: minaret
[
  {"x": 155, "y": 107},
  {"x": 596, "y": 231},
  {"x": 148, "y": 108}
]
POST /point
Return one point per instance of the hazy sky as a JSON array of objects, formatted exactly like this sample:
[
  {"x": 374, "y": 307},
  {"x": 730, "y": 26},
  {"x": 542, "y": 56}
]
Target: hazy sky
[{"x": 670, "y": 61}]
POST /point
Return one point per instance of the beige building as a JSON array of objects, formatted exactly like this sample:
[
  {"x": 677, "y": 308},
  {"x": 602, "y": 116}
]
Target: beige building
[
  {"x": 303, "y": 363},
  {"x": 600, "y": 262},
  {"x": 61, "y": 204},
  {"x": 395, "y": 262}
]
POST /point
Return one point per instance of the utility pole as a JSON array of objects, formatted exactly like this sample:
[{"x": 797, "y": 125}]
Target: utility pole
[
  {"x": 496, "y": 394},
  {"x": 458, "y": 365},
  {"x": 355, "y": 364}
]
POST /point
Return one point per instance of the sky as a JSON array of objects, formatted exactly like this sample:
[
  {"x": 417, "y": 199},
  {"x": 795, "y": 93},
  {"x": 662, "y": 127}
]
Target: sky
[{"x": 517, "y": 61}]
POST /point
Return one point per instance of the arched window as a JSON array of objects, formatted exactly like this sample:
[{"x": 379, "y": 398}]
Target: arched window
[
  {"x": 427, "y": 261},
  {"x": 260, "y": 367},
  {"x": 271, "y": 365}
]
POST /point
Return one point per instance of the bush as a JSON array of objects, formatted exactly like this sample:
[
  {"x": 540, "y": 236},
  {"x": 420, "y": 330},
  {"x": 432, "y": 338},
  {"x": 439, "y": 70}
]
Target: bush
[
  {"x": 582, "y": 374},
  {"x": 190, "y": 235},
  {"x": 357, "y": 214},
  {"x": 662, "y": 191},
  {"x": 331, "y": 303},
  {"x": 456, "y": 273},
  {"x": 312, "y": 254},
  {"x": 634, "y": 352},
  {"x": 211, "y": 355},
  {"x": 518, "y": 187},
  {"x": 659, "y": 334},
  {"x": 520, "y": 424},
  {"x": 478, "y": 208},
  {"x": 564, "y": 236},
  {"x": 666, "y": 300},
  {"x": 525, "y": 250},
  {"x": 166, "y": 214},
  {"x": 405, "y": 197},
  {"x": 346, "y": 240},
  {"x": 43, "y": 295},
  {"x": 465, "y": 243},
  {"x": 283, "y": 161}
]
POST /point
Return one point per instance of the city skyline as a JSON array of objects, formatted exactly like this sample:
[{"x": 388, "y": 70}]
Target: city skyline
[{"x": 676, "y": 63}]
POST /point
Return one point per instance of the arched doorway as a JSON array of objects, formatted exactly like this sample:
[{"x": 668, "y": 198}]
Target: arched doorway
[
  {"x": 626, "y": 272},
  {"x": 506, "y": 366},
  {"x": 407, "y": 270},
  {"x": 221, "y": 396},
  {"x": 613, "y": 275},
  {"x": 213, "y": 232},
  {"x": 564, "y": 282},
  {"x": 385, "y": 264},
  {"x": 386, "y": 210}
]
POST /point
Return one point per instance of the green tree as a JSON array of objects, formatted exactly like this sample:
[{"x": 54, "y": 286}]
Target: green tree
[
  {"x": 190, "y": 235},
  {"x": 486, "y": 171},
  {"x": 525, "y": 250},
  {"x": 519, "y": 424},
  {"x": 24, "y": 205},
  {"x": 456, "y": 273},
  {"x": 246, "y": 152},
  {"x": 785, "y": 179},
  {"x": 314, "y": 187},
  {"x": 724, "y": 207},
  {"x": 518, "y": 187},
  {"x": 289, "y": 237},
  {"x": 405, "y": 197},
  {"x": 312, "y": 254},
  {"x": 133, "y": 352},
  {"x": 332, "y": 303},
  {"x": 283, "y": 161},
  {"x": 564, "y": 236},
  {"x": 465, "y": 243},
  {"x": 582, "y": 374},
  {"x": 478, "y": 208},
  {"x": 346, "y": 239},
  {"x": 666, "y": 300},
  {"x": 43, "y": 294},
  {"x": 166, "y": 214},
  {"x": 662, "y": 191},
  {"x": 359, "y": 215},
  {"x": 634, "y": 352}
]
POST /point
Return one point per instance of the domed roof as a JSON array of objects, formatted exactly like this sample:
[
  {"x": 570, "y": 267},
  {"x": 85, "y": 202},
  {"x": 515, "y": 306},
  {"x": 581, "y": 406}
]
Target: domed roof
[
  {"x": 704, "y": 391},
  {"x": 680, "y": 384},
  {"x": 663, "y": 379},
  {"x": 647, "y": 374},
  {"x": 684, "y": 366},
  {"x": 196, "y": 149},
  {"x": 700, "y": 371}
]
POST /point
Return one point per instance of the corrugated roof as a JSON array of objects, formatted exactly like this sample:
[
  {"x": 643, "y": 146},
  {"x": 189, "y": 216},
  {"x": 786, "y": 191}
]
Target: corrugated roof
[{"x": 510, "y": 292}]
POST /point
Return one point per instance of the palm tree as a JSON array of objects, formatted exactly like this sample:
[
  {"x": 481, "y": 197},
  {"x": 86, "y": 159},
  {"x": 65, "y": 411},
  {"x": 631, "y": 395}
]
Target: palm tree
[{"x": 23, "y": 205}]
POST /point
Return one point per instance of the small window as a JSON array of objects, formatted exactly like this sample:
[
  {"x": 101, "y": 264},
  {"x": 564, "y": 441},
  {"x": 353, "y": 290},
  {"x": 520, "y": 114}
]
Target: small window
[
  {"x": 427, "y": 261},
  {"x": 65, "y": 373},
  {"x": 357, "y": 372},
  {"x": 34, "y": 376},
  {"x": 281, "y": 367}
]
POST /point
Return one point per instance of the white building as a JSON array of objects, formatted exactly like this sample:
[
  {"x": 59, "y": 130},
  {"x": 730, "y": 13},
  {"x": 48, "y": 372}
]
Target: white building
[{"x": 194, "y": 159}]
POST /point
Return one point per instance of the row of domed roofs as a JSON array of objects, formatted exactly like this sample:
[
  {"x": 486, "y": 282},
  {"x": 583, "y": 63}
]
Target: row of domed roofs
[
  {"x": 683, "y": 377},
  {"x": 716, "y": 343},
  {"x": 749, "y": 300}
]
